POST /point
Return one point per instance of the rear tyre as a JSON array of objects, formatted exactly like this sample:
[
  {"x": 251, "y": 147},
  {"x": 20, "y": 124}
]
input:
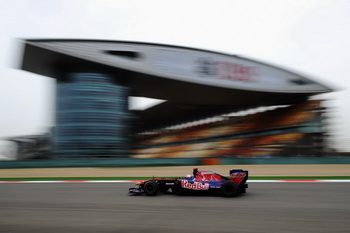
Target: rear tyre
[
  {"x": 151, "y": 188},
  {"x": 230, "y": 189}
]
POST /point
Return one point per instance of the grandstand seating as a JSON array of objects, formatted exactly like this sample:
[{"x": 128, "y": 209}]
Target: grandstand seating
[{"x": 255, "y": 135}]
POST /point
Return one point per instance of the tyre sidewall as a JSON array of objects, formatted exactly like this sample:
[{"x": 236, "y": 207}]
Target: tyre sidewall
[
  {"x": 230, "y": 189},
  {"x": 151, "y": 188}
]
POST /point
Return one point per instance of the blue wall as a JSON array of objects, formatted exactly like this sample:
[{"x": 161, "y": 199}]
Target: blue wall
[{"x": 126, "y": 162}]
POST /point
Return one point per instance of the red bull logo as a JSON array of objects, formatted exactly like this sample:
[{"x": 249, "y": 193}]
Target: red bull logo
[
  {"x": 238, "y": 177},
  {"x": 195, "y": 186}
]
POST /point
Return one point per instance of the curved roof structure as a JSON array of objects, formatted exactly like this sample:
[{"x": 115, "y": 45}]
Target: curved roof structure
[{"x": 194, "y": 82}]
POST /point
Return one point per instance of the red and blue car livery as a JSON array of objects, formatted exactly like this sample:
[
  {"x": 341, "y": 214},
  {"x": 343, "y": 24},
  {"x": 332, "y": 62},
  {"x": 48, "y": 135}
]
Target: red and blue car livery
[{"x": 201, "y": 181}]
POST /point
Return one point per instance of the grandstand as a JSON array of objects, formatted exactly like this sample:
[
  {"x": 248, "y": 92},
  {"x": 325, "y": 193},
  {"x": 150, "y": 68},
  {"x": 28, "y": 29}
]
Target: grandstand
[
  {"x": 202, "y": 91},
  {"x": 295, "y": 130}
]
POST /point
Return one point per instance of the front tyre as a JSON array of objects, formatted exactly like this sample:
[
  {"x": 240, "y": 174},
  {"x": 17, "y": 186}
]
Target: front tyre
[
  {"x": 151, "y": 188},
  {"x": 230, "y": 189}
]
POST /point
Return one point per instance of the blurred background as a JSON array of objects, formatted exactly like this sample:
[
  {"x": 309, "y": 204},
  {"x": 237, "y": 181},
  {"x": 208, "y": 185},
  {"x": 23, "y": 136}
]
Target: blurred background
[{"x": 308, "y": 37}]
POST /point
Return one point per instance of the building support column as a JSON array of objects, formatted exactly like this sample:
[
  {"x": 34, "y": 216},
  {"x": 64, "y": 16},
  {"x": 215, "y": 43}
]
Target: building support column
[{"x": 92, "y": 117}]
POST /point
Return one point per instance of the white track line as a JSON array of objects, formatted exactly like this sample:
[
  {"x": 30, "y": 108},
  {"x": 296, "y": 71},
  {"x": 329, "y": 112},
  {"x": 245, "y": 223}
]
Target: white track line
[
  {"x": 134, "y": 181},
  {"x": 295, "y": 181},
  {"x": 70, "y": 181}
]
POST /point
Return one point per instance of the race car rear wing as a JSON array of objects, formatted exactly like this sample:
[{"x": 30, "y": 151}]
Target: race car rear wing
[{"x": 239, "y": 176}]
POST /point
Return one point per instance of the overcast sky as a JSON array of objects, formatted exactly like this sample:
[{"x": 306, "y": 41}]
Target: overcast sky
[{"x": 306, "y": 36}]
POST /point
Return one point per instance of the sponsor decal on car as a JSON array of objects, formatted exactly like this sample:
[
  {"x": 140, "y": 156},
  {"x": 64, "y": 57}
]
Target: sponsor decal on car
[
  {"x": 195, "y": 186},
  {"x": 238, "y": 177}
]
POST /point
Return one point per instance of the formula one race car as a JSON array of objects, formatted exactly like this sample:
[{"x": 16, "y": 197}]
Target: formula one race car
[{"x": 201, "y": 181}]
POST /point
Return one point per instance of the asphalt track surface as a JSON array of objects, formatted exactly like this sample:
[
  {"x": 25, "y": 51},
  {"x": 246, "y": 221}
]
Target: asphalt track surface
[{"x": 106, "y": 207}]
